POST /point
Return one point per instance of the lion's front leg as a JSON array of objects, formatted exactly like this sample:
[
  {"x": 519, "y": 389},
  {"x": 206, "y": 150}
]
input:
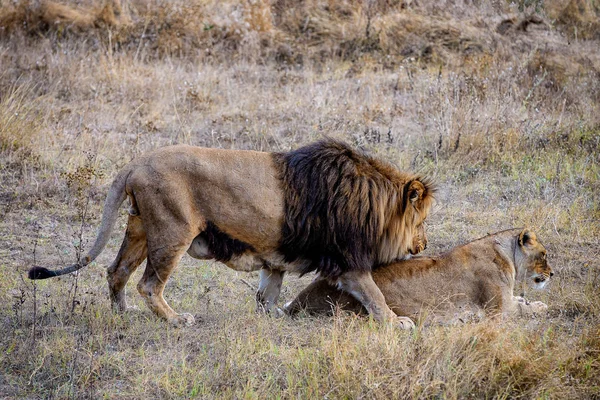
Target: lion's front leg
[
  {"x": 364, "y": 289},
  {"x": 269, "y": 288}
]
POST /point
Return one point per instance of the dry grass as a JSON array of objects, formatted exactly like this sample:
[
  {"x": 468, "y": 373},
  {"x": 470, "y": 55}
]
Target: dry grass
[{"x": 505, "y": 120}]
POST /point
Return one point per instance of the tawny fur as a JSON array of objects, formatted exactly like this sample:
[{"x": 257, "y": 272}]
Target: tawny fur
[
  {"x": 249, "y": 210},
  {"x": 478, "y": 276}
]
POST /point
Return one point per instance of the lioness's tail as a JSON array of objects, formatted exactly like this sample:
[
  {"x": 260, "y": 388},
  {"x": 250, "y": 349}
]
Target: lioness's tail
[{"x": 116, "y": 196}]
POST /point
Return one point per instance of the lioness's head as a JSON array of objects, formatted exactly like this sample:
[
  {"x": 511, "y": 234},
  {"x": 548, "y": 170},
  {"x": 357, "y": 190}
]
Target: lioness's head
[{"x": 532, "y": 260}]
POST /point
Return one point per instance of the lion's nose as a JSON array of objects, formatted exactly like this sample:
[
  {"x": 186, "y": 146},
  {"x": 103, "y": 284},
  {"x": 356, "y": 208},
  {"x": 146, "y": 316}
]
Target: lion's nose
[{"x": 551, "y": 273}]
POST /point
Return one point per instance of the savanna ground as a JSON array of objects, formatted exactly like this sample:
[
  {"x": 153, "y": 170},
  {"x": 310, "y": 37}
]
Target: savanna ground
[{"x": 498, "y": 101}]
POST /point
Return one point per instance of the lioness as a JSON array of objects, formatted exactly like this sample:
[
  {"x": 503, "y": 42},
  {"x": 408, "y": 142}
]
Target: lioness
[
  {"x": 479, "y": 275},
  {"x": 324, "y": 207}
]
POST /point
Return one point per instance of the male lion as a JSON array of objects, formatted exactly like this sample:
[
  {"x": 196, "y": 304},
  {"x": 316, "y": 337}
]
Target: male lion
[
  {"x": 323, "y": 207},
  {"x": 479, "y": 275}
]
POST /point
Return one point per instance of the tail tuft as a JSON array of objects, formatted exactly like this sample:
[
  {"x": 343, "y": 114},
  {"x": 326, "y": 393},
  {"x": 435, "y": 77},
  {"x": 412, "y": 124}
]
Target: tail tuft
[{"x": 40, "y": 273}]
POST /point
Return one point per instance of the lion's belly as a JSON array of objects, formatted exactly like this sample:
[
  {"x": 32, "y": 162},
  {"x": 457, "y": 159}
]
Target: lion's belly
[
  {"x": 246, "y": 261},
  {"x": 273, "y": 260}
]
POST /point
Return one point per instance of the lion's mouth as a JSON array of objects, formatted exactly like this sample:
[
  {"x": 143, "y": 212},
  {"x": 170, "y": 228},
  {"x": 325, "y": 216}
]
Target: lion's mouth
[
  {"x": 416, "y": 250},
  {"x": 539, "y": 279}
]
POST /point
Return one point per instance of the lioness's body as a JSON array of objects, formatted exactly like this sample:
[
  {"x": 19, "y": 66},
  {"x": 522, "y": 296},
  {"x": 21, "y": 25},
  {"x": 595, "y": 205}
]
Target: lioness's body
[
  {"x": 480, "y": 275},
  {"x": 299, "y": 211}
]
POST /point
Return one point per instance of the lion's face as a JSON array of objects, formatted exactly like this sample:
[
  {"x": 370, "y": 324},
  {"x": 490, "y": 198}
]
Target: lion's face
[
  {"x": 538, "y": 272},
  {"x": 419, "y": 242},
  {"x": 419, "y": 203}
]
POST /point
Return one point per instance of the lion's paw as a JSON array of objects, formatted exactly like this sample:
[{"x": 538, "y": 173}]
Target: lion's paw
[
  {"x": 184, "y": 319},
  {"x": 279, "y": 313},
  {"x": 404, "y": 323}
]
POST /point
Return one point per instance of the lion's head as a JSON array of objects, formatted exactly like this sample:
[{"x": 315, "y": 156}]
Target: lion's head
[
  {"x": 405, "y": 232},
  {"x": 349, "y": 211},
  {"x": 532, "y": 263}
]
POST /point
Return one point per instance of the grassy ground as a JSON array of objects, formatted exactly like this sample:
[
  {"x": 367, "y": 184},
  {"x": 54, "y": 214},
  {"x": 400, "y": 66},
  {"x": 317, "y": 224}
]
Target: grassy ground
[{"x": 505, "y": 120}]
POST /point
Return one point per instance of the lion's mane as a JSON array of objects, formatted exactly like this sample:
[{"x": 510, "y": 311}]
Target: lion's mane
[{"x": 341, "y": 207}]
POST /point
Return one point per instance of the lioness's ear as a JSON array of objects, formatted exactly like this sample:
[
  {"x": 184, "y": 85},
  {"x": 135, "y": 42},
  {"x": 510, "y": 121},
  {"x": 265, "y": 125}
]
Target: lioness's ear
[
  {"x": 415, "y": 191},
  {"x": 527, "y": 238}
]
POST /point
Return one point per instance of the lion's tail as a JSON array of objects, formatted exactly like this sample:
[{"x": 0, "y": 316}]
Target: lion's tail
[{"x": 116, "y": 196}]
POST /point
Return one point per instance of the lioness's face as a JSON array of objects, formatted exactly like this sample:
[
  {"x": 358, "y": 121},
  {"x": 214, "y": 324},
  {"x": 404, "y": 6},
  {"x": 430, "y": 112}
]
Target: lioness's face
[{"x": 538, "y": 270}]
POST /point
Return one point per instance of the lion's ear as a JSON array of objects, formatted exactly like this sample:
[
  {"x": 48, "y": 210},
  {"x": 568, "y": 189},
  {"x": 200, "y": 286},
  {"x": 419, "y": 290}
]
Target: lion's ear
[
  {"x": 415, "y": 191},
  {"x": 527, "y": 238}
]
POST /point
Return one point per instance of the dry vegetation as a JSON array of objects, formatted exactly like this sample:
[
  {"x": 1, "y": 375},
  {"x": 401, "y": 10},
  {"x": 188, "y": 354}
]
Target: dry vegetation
[{"x": 498, "y": 101}]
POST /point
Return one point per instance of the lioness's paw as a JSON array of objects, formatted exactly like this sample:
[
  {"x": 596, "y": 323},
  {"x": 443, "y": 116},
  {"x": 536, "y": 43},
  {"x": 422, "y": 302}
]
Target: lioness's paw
[
  {"x": 404, "y": 323},
  {"x": 183, "y": 319},
  {"x": 538, "y": 307}
]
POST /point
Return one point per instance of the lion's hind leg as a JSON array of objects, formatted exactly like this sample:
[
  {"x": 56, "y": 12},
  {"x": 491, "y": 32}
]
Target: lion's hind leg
[
  {"x": 159, "y": 267},
  {"x": 132, "y": 253},
  {"x": 164, "y": 253}
]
